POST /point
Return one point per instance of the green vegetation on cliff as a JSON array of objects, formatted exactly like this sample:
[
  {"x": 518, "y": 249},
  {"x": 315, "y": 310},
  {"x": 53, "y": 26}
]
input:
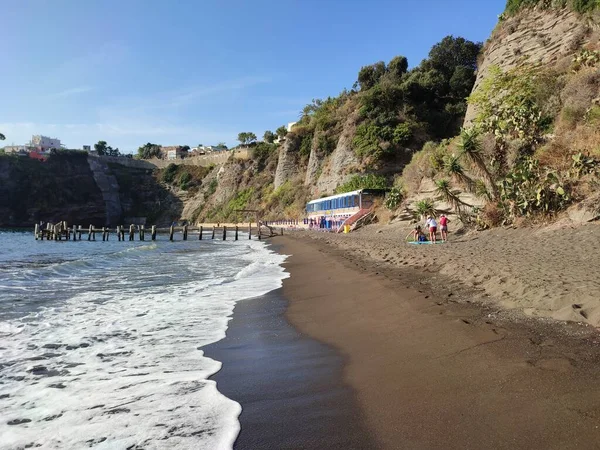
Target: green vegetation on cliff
[{"x": 581, "y": 6}]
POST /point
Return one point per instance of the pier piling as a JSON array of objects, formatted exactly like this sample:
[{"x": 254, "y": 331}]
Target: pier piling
[
  {"x": 185, "y": 232},
  {"x": 153, "y": 232},
  {"x": 142, "y": 233},
  {"x": 236, "y": 232},
  {"x": 224, "y": 233},
  {"x": 200, "y": 231},
  {"x": 213, "y": 233},
  {"x": 131, "y": 232},
  {"x": 250, "y": 230},
  {"x": 171, "y": 231},
  {"x": 36, "y": 231}
]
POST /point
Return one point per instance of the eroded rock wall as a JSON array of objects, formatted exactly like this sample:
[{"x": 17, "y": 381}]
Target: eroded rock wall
[{"x": 547, "y": 36}]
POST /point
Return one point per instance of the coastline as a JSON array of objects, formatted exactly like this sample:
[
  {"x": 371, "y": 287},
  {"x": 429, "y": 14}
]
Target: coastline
[
  {"x": 430, "y": 372},
  {"x": 289, "y": 386}
]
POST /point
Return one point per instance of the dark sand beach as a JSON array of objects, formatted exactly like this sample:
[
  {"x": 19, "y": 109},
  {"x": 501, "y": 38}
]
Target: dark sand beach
[
  {"x": 290, "y": 386},
  {"x": 434, "y": 371}
]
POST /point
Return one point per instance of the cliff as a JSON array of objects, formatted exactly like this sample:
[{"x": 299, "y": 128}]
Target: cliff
[
  {"x": 81, "y": 189},
  {"x": 549, "y": 37}
]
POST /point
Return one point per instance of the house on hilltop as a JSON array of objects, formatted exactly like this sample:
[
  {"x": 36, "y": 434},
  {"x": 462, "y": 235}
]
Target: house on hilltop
[{"x": 174, "y": 152}]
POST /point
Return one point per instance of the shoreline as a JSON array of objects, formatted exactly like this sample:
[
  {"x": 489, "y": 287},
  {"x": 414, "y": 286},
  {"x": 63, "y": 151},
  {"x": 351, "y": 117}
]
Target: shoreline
[
  {"x": 430, "y": 372},
  {"x": 289, "y": 386}
]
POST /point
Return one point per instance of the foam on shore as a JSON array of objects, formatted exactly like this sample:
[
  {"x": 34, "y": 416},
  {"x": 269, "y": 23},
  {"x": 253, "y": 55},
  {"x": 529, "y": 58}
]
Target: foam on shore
[{"x": 118, "y": 362}]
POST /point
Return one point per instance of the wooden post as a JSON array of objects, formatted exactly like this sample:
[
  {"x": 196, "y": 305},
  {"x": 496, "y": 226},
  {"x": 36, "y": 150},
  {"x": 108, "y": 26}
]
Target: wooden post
[
  {"x": 236, "y": 232},
  {"x": 224, "y": 233},
  {"x": 249, "y": 230},
  {"x": 131, "y": 232},
  {"x": 153, "y": 232},
  {"x": 79, "y": 232},
  {"x": 90, "y": 233},
  {"x": 142, "y": 233},
  {"x": 213, "y": 233},
  {"x": 107, "y": 232},
  {"x": 282, "y": 231},
  {"x": 35, "y": 231},
  {"x": 259, "y": 236},
  {"x": 185, "y": 232},
  {"x": 171, "y": 231},
  {"x": 119, "y": 233},
  {"x": 200, "y": 231},
  {"x": 123, "y": 233}
]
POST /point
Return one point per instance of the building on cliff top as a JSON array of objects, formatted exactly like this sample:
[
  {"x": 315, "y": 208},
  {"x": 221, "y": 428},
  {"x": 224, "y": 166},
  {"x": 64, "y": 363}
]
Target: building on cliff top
[{"x": 174, "y": 152}]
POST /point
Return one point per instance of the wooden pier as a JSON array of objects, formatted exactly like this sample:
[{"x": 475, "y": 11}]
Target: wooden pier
[{"x": 61, "y": 231}]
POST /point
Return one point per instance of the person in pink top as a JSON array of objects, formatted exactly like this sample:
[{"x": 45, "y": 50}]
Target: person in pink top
[{"x": 444, "y": 227}]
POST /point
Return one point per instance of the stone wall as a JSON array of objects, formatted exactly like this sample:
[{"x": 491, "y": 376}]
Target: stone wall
[{"x": 202, "y": 160}]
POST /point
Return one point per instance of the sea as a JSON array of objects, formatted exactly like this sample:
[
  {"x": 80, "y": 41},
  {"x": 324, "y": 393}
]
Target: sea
[{"x": 101, "y": 342}]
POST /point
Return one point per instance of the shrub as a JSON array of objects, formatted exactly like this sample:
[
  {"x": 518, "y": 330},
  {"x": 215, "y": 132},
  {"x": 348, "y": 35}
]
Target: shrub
[
  {"x": 184, "y": 180},
  {"x": 492, "y": 215},
  {"x": 369, "y": 181},
  {"x": 402, "y": 134},
  {"x": 394, "y": 198},
  {"x": 169, "y": 173}
]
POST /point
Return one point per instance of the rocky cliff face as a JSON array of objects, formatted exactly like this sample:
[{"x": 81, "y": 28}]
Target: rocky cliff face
[
  {"x": 81, "y": 190},
  {"x": 340, "y": 163},
  {"x": 288, "y": 166},
  {"x": 546, "y": 36}
]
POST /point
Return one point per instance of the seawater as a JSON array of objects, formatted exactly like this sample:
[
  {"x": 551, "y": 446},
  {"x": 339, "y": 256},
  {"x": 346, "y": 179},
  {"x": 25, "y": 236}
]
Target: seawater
[{"x": 101, "y": 342}]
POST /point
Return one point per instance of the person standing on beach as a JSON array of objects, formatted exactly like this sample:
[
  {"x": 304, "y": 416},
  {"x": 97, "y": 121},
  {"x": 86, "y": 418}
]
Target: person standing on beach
[
  {"x": 444, "y": 227},
  {"x": 432, "y": 226}
]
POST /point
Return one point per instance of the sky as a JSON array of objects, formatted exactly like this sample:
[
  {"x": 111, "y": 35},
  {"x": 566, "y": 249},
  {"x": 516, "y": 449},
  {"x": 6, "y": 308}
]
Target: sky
[{"x": 190, "y": 72}]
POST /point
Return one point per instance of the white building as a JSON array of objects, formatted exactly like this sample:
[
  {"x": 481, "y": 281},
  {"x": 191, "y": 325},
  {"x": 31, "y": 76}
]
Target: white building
[
  {"x": 87, "y": 148},
  {"x": 16, "y": 148},
  {"x": 211, "y": 148},
  {"x": 45, "y": 143}
]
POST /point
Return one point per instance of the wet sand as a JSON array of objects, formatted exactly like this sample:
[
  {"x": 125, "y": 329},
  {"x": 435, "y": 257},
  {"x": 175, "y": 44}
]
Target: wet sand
[
  {"x": 439, "y": 369},
  {"x": 289, "y": 385}
]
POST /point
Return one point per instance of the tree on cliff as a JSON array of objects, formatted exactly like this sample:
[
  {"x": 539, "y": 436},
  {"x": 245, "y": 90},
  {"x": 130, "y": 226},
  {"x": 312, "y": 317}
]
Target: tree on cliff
[
  {"x": 269, "y": 137},
  {"x": 149, "y": 150},
  {"x": 281, "y": 131},
  {"x": 2, "y": 137},
  {"x": 102, "y": 149},
  {"x": 246, "y": 138}
]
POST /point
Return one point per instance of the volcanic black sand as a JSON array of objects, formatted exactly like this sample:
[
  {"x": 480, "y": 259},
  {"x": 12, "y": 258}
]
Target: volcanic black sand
[
  {"x": 290, "y": 386},
  {"x": 379, "y": 358}
]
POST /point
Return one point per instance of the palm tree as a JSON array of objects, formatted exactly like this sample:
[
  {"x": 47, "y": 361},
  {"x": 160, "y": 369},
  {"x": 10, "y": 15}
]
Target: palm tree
[
  {"x": 455, "y": 170},
  {"x": 425, "y": 208},
  {"x": 2, "y": 137},
  {"x": 446, "y": 193},
  {"x": 471, "y": 146}
]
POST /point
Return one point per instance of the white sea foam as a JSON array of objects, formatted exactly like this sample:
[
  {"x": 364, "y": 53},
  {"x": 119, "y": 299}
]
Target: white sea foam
[{"x": 119, "y": 365}]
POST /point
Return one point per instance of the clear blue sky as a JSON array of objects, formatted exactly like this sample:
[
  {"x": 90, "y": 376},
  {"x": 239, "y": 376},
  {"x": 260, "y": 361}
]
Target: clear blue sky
[{"x": 200, "y": 71}]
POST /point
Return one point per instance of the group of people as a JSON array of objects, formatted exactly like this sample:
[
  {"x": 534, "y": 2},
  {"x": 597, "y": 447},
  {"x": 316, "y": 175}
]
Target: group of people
[{"x": 431, "y": 227}]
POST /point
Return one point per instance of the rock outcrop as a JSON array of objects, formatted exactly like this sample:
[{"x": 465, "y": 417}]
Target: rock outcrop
[
  {"x": 288, "y": 166},
  {"x": 547, "y": 36},
  {"x": 109, "y": 188},
  {"x": 341, "y": 163}
]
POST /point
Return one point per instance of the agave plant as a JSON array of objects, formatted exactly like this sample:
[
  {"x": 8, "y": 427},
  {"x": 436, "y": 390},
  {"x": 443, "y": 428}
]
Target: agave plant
[{"x": 471, "y": 147}]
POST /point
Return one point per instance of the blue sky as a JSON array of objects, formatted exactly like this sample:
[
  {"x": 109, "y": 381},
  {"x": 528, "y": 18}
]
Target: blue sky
[{"x": 200, "y": 71}]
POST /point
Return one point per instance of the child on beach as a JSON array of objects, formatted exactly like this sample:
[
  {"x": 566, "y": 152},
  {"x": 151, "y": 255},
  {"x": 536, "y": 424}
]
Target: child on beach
[
  {"x": 417, "y": 234},
  {"x": 431, "y": 224},
  {"x": 444, "y": 227}
]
